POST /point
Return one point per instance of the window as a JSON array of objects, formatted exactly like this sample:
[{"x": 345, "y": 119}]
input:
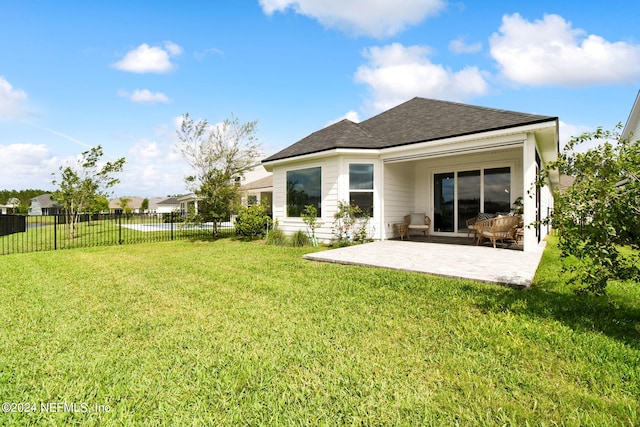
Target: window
[
  {"x": 361, "y": 187},
  {"x": 303, "y": 188},
  {"x": 497, "y": 189},
  {"x": 460, "y": 195}
]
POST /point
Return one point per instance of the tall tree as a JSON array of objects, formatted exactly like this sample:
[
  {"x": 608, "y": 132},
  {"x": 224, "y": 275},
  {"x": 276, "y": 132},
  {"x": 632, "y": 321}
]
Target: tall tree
[
  {"x": 79, "y": 185},
  {"x": 219, "y": 155},
  {"x": 597, "y": 217}
]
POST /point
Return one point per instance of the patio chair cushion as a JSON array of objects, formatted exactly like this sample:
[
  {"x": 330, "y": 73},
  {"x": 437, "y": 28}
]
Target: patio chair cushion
[
  {"x": 498, "y": 228},
  {"x": 417, "y": 219},
  {"x": 482, "y": 216}
]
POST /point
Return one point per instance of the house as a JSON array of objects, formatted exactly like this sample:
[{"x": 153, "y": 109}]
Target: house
[
  {"x": 256, "y": 186},
  {"x": 163, "y": 205},
  {"x": 631, "y": 132},
  {"x": 43, "y": 205},
  {"x": 188, "y": 203},
  {"x": 133, "y": 204},
  {"x": 446, "y": 159},
  {"x": 632, "y": 127},
  {"x": 258, "y": 191}
]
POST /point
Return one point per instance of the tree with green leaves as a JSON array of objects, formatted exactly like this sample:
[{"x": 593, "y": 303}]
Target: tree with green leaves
[
  {"x": 79, "y": 185},
  {"x": 219, "y": 155},
  {"x": 144, "y": 206},
  {"x": 125, "y": 205},
  {"x": 596, "y": 218},
  {"x": 101, "y": 204}
]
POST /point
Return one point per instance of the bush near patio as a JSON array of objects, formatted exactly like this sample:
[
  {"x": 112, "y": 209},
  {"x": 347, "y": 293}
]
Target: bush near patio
[
  {"x": 236, "y": 333},
  {"x": 597, "y": 216},
  {"x": 252, "y": 221}
]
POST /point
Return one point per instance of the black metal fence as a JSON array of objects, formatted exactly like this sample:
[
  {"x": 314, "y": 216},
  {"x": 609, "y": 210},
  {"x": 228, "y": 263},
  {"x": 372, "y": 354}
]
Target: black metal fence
[{"x": 19, "y": 234}]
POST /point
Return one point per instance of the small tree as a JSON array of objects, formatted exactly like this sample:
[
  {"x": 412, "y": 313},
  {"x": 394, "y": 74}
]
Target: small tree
[
  {"x": 350, "y": 225},
  {"x": 219, "y": 156},
  {"x": 252, "y": 221},
  {"x": 144, "y": 206},
  {"x": 310, "y": 218},
  {"x": 598, "y": 215},
  {"x": 125, "y": 204},
  {"x": 79, "y": 185}
]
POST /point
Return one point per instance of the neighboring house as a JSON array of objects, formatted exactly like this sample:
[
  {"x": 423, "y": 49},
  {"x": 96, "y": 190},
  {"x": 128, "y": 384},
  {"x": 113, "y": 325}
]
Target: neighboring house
[
  {"x": 162, "y": 205},
  {"x": 134, "y": 204},
  {"x": 43, "y": 205},
  {"x": 6, "y": 209},
  {"x": 448, "y": 160},
  {"x": 256, "y": 186},
  {"x": 632, "y": 127},
  {"x": 258, "y": 191},
  {"x": 631, "y": 131},
  {"x": 187, "y": 202}
]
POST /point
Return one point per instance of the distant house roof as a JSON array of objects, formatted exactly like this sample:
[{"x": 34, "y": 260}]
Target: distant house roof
[
  {"x": 266, "y": 182},
  {"x": 417, "y": 120},
  {"x": 44, "y": 201},
  {"x": 135, "y": 202},
  {"x": 169, "y": 201}
]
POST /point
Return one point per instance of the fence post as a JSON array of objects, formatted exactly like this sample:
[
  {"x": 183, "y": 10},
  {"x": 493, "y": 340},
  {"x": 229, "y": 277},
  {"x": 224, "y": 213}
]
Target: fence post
[
  {"x": 172, "y": 214},
  {"x": 119, "y": 229},
  {"x": 55, "y": 232}
]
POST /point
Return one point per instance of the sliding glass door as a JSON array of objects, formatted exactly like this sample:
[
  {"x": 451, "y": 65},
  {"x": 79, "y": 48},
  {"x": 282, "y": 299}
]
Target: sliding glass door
[
  {"x": 468, "y": 197},
  {"x": 461, "y": 195},
  {"x": 443, "y": 197}
]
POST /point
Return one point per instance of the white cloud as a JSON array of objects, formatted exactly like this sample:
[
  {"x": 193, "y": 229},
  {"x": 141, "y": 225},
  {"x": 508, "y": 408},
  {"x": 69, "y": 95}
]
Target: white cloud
[
  {"x": 396, "y": 73},
  {"x": 27, "y": 166},
  {"x": 378, "y": 18},
  {"x": 173, "y": 48},
  {"x": 152, "y": 169},
  {"x": 459, "y": 46},
  {"x": 551, "y": 52},
  {"x": 145, "y": 96},
  {"x": 200, "y": 55},
  {"x": 567, "y": 131},
  {"x": 350, "y": 115},
  {"x": 145, "y": 151},
  {"x": 12, "y": 101},
  {"x": 149, "y": 59}
]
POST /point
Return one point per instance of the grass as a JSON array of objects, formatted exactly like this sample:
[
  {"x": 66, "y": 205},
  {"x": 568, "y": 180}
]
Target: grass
[
  {"x": 232, "y": 333},
  {"x": 43, "y": 235}
]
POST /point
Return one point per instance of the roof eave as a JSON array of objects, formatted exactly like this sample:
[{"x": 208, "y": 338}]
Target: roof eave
[{"x": 270, "y": 164}]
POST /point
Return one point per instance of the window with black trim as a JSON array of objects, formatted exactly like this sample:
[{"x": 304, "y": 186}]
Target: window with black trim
[
  {"x": 304, "y": 187},
  {"x": 361, "y": 186}
]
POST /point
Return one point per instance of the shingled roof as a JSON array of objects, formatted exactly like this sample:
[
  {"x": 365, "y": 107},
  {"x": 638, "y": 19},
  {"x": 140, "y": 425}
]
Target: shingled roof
[{"x": 417, "y": 120}]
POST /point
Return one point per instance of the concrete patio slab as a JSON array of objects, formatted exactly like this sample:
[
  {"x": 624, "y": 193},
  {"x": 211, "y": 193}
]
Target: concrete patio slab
[{"x": 485, "y": 264}]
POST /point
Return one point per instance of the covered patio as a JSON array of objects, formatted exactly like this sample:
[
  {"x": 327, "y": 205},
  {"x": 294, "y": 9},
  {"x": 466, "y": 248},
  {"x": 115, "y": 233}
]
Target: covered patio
[{"x": 505, "y": 267}]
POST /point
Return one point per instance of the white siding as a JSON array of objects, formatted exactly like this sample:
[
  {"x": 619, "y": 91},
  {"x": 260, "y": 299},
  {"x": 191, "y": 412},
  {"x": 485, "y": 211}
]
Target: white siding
[
  {"x": 329, "y": 175},
  {"x": 398, "y": 194}
]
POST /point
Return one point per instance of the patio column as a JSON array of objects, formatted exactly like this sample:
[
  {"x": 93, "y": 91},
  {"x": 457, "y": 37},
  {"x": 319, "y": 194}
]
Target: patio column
[{"x": 529, "y": 177}]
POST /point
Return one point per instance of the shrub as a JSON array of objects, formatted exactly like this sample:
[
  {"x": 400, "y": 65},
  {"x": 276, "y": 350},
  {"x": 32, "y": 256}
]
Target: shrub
[
  {"x": 310, "y": 217},
  {"x": 276, "y": 237},
  {"x": 299, "y": 238},
  {"x": 252, "y": 221},
  {"x": 350, "y": 225}
]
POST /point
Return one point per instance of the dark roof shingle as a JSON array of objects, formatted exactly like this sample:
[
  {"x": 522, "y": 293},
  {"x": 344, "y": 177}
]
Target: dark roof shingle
[{"x": 417, "y": 120}]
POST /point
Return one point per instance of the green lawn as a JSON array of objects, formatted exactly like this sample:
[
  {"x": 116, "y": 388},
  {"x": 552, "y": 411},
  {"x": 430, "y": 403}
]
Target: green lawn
[
  {"x": 43, "y": 235},
  {"x": 232, "y": 333}
]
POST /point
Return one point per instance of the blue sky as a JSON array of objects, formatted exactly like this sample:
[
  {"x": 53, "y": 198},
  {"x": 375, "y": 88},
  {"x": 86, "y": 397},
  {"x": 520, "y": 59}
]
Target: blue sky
[{"x": 120, "y": 73}]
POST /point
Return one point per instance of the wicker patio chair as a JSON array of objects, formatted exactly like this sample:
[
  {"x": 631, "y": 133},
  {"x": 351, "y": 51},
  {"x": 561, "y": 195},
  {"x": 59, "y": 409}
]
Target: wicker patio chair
[
  {"x": 500, "y": 228},
  {"x": 471, "y": 226},
  {"x": 418, "y": 222}
]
